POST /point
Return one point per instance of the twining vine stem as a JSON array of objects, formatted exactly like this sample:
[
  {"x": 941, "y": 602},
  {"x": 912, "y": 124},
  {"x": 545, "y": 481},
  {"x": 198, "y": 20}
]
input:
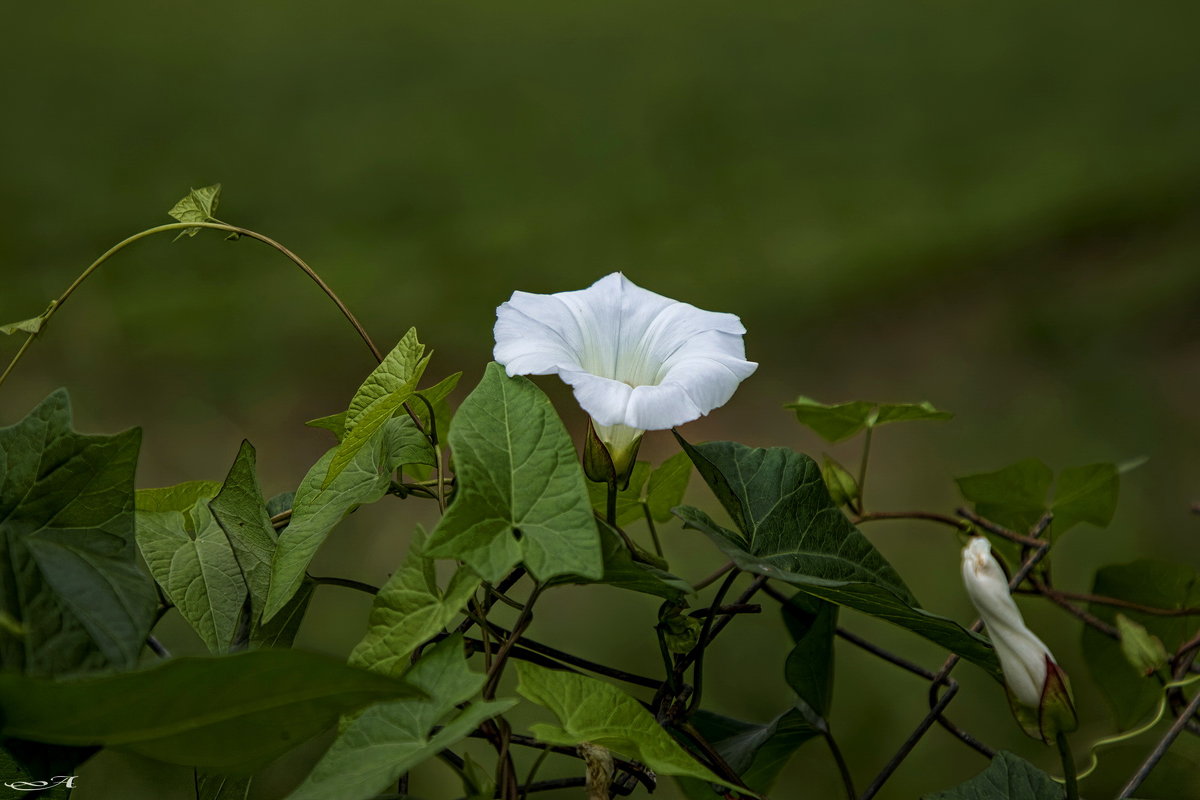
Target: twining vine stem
[{"x": 183, "y": 226}]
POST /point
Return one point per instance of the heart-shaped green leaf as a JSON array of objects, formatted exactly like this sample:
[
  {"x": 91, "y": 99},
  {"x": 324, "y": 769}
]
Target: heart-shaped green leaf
[
  {"x": 789, "y": 529},
  {"x": 67, "y": 540}
]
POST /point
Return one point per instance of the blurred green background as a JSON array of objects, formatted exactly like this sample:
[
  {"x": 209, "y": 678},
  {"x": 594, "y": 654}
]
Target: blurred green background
[{"x": 991, "y": 206}]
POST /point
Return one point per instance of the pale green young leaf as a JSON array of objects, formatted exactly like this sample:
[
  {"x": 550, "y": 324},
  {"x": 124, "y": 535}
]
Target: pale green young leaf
[
  {"x": 1143, "y": 650},
  {"x": 1008, "y": 777},
  {"x": 227, "y": 712},
  {"x": 375, "y": 747},
  {"x": 367, "y": 426},
  {"x": 401, "y": 367},
  {"x": 789, "y": 529},
  {"x": 334, "y": 423},
  {"x": 67, "y": 540},
  {"x": 590, "y": 710},
  {"x": 410, "y": 609},
  {"x": 521, "y": 495},
  {"x": 1131, "y": 694},
  {"x": 192, "y": 560},
  {"x": 385, "y": 391},
  {"x": 198, "y": 205},
  {"x": 31, "y": 325}
]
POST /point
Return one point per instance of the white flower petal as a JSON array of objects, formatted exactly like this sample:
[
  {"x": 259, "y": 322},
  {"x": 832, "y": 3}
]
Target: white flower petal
[
  {"x": 633, "y": 357},
  {"x": 653, "y": 408},
  {"x": 1022, "y": 654},
  {"x": 606, "y": 401},
  {"x": 536, "y": 335}
]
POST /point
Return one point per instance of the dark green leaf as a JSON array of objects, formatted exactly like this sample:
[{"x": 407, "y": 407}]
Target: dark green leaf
[
  {"x": 193, "y": 561},
  {"x": 833, "y": 422},
  {"x": 22, "y": 760},
  {"x": 25, "y": 781},
  {"x": 680, "y": 633},
  {"x": 282, "y": 629},
  {"x": 590, "y": 710},
  {"x": 228, "y": 712},
  {"x": 71, "y": 577},
  {"x": 409, "y": 609},
  {"x": 280, "y": 503},
  {"x": 790, "y": 530},
  {"x": 521, "y": 495},
  {"x": 1159, "y": 584},
  {"x": 241, "y": 512},
  {"x": 1007, "y": 778},
  {"x": 198, "y": 205},
  {"x": 1015, "y": 496},
  {"x": 377, "y": 746},
  {"x": 1085, "y": 494},
  {"x": 809, "y": 666},
  {"x": 758, "y": 753}
]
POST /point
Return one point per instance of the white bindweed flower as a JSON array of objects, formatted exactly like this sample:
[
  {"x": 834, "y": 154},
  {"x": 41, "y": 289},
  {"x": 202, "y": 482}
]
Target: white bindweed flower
[
  {"x": 1023, "y": 656},
  {"x": 1039, "y": 692},
  {"x": 636, "y": 360}
]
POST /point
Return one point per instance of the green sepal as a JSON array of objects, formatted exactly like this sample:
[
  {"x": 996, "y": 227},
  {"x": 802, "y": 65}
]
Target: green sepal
[
  {"x": 600, "y": 466},
  {"x": 1055, "y": 713}
]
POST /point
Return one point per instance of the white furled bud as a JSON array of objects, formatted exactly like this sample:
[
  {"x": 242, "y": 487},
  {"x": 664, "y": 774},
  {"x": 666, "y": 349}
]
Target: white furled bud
[{"x": 1023, "y": 656}]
